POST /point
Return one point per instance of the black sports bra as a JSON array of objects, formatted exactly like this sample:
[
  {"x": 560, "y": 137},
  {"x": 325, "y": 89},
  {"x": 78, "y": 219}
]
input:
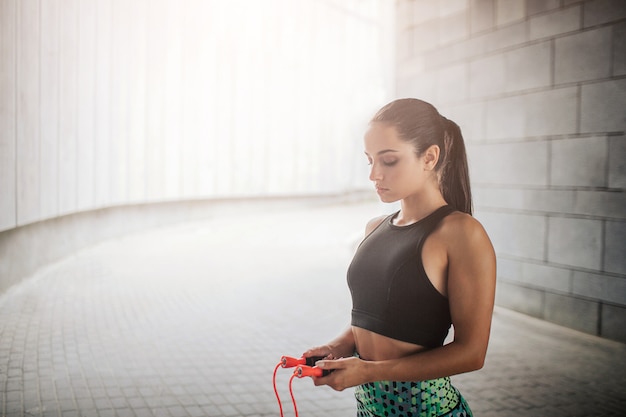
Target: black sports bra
[{"x": 391, "y": 293}]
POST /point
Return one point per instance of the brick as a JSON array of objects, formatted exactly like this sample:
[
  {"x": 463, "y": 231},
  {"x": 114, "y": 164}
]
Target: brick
[
  {"x": 555, "y": 23},
  {"x": 423, "y": 87},
  {"x": 575, "y": 242},
  {"x": 451, "y": 7},
  {"x": 602, "y": 106},
  {"x": 453, "y": 28},
  {"x": 425, "y": 37},
  {"x": 615, "y": 247},
  {"x": 525, "y": 300},
  {"x": 510, "y": 270},
  {"x": 599, "y": 203},
  {"x": 404, "y": 45},
  {"x": 505, "y": 118},
  {"x": 452, "y": 84},
  {"x": 617, "y": 162},
  {"x": 619, "y": 49},
  {"x": 482, "y": 15},
  {"x": 529, "y": 67},
  {"x": 448, "y": 54},
  {"x": 487, "y": 76},
  {"x": 613, "y": 319},
  {"x": 518, "y": 235},
  {"x": 404, "y": 14},
  {"x": 603, "y": 11},
  {"x": 486, "y": 197},
  {"x": 546, "y": 276},
  {"x": 470, "y": 118},
  {"x": 552, "y": 112},
  {"x": 552, "y": 201},
  {"x": 509, "y": 11},
  {"x": 583, "y": 56},
  {"x": 511, "y": 163},
  {"x": 579, "y": 162},
  {"x": 538, "y": 6},
  {"x": 572, "y": 312},
  {"x": 506, "y": 37},
  {"x": 425, "y": 10},
  {"x": 600, "y": 287}
]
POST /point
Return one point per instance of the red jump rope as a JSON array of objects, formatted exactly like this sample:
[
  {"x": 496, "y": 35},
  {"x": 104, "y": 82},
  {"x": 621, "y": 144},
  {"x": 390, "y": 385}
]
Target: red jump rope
[{"x": 304, "y": 367}]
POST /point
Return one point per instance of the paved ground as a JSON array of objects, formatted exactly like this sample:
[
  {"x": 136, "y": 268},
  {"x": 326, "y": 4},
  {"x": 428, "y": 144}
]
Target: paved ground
[{"x": 190, "y": 321}]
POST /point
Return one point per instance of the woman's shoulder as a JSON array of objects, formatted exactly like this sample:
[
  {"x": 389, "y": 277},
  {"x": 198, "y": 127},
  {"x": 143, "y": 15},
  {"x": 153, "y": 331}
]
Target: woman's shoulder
[{"x": 462, "y": 228}]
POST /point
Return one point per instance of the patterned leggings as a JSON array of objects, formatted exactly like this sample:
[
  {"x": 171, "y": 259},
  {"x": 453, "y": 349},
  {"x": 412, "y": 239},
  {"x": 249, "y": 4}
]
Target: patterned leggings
[{"x": 433, "y": 398}]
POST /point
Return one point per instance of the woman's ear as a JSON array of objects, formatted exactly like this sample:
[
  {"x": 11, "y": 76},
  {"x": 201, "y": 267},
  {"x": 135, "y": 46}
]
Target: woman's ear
[{"x": 431, "y": 157}]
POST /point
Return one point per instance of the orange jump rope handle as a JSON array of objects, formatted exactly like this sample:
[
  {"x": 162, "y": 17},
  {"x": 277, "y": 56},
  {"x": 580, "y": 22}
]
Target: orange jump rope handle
[
  {"x": 290, "y": 362},
  {"x": 304, "y": 370}
]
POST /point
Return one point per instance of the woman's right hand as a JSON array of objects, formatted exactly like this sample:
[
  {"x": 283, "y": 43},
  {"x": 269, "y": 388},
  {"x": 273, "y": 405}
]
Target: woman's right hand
[{"x": 320, "y": 351}]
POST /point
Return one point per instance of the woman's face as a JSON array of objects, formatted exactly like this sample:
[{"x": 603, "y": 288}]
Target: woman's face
[{"x": 397, "y": 172}]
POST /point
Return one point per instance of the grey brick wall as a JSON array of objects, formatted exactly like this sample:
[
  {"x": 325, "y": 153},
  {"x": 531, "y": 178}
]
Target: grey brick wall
[{"x": 539, "y": 90}]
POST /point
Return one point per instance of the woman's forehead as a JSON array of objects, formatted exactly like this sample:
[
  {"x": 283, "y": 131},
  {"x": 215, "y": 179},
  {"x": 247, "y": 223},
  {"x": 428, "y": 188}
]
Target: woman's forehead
[{"x": 380, "y": 136}]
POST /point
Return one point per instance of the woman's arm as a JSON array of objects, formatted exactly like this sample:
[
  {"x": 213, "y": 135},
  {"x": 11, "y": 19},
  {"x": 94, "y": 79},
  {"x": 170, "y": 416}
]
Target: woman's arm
[{"x": 471, "y": 290}]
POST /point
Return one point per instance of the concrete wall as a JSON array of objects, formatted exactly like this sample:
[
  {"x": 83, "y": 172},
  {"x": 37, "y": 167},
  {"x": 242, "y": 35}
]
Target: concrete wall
[
  {"x": 28, "y": 249},
  {"x": 107, "y": 103},
  {"x": 539, "y": 90},
  {"x": 120, "y": 115}
]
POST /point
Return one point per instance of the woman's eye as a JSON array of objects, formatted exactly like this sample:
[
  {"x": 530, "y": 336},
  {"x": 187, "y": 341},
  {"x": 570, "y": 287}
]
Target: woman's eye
[{"x": 390, "y": 163}]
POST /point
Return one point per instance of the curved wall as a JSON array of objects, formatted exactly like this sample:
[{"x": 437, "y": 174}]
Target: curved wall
[
  {"x": 24, "y": 250},
  {"x": 117, "y": 116},
  {"x": 107, "y": 102}
]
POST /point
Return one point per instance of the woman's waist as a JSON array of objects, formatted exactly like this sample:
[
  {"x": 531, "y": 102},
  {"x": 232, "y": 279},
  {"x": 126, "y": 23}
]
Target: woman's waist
[{"x": 372, "y": 346}]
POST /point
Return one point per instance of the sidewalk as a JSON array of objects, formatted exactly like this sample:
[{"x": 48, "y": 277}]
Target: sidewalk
[{"x": 191, "y": 320}]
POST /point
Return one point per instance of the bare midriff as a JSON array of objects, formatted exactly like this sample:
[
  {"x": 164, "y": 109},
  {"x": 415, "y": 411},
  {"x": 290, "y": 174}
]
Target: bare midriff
[{"x": 375, "y": 347}]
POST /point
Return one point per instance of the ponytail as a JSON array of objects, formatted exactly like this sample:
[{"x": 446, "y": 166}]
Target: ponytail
[{"x": 454, "y": 172}]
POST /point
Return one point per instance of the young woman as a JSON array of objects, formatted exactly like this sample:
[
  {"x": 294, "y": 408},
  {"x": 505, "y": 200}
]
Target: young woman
[{"x": 417, "y": 272}]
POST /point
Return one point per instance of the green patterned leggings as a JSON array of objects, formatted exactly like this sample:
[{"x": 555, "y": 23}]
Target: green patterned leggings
[{"x": 433, "y": 398}]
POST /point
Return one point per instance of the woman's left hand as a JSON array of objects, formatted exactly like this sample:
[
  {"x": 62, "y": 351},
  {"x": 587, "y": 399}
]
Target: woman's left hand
[{"x": 346, "y": 373}]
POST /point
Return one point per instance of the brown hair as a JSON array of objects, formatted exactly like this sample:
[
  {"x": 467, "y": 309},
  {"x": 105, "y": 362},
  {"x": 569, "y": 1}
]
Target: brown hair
[{"x": 419, "y": 123}]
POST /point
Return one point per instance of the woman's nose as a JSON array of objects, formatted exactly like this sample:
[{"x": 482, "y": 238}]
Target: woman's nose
[{"x": 374, "y": 173}]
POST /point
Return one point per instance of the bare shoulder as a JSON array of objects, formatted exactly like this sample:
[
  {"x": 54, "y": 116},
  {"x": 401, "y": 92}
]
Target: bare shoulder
[
  {"x": 464, "y": 232},
  {"x": 374, "y": 223}
]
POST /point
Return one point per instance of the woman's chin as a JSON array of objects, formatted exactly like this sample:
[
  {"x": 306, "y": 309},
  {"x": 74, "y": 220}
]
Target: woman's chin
[{"x": 387, "y": 199}]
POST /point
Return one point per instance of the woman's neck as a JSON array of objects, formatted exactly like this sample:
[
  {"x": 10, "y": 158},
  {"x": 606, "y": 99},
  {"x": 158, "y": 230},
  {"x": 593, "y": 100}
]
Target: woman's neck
[{"x": 415, "y": 208}]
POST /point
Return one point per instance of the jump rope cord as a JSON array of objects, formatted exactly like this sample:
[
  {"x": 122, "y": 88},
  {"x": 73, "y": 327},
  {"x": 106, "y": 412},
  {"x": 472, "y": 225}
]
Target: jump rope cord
[
  {"x": 293, "y": 399},
  {"x": 280, "y": 405},
  {"x": 295, "y": 408}
]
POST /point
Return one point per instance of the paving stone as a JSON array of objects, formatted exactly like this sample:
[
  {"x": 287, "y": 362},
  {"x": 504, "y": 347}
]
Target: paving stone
[{"x": 191, "y": 320}]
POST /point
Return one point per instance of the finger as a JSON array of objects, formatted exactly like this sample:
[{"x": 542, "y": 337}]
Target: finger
[
  {"x": 317, "y": 351},
  {"x": 330, "y": 364},
  {"x": 330, "y": 380},
  {"x": 323, "y": 380}
]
